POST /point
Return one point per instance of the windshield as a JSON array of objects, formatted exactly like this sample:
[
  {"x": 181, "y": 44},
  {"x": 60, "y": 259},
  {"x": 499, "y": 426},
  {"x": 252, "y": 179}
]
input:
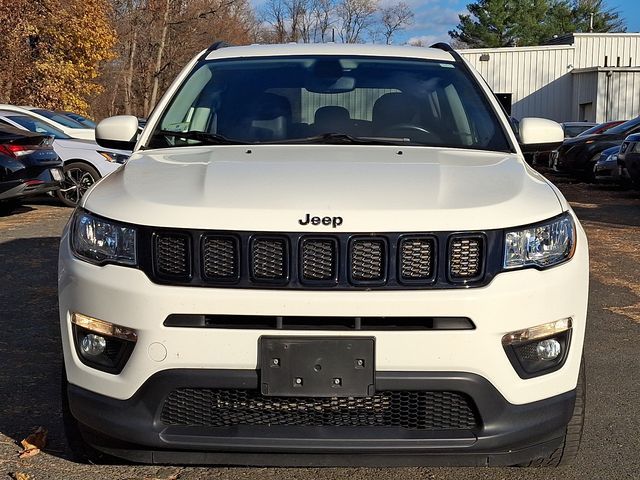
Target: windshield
[
  {"x": 38, "y": 126},
  {"x": 330, "y": 99},
  {"x": 61, "y": 119},
  {"x": 80, "y": 119},
  {"x": 625, "y": 127}
]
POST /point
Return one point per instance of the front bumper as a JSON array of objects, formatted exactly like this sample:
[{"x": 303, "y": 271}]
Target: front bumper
[{"x": 507, "y": 433}]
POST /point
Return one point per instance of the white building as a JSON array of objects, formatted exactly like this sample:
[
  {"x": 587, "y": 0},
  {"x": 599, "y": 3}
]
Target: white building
[{"x": 581, "y": 76}]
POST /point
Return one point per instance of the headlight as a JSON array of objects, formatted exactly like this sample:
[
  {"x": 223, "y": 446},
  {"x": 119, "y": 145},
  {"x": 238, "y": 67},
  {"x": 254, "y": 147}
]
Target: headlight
[
  {"x": 101, "y": 241},
  {"x": 114, "y": 157},
  {"x": 542, "y": 245}
]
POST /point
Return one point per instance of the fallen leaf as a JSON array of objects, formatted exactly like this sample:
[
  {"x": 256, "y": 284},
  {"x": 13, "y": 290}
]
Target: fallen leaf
[
  {"x": 34, "y": 443},
  {"x": 21, "y": 476}
]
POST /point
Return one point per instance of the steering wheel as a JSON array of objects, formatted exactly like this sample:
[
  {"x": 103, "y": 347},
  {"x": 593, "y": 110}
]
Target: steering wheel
[{"x": 410, "y": 131}]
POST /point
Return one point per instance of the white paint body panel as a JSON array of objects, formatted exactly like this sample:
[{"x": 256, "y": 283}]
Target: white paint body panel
[{"x": 372, "y": 187}]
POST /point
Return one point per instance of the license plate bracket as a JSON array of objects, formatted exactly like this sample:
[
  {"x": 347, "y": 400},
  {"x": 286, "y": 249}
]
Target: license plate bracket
[{"x": 317, "y": 366}]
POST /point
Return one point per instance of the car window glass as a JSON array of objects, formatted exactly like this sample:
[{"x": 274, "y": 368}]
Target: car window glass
[
  {"x": 61, "y": 119},
  {"x": 277, "y": 99},
  {"x": 38, "y": 126}
]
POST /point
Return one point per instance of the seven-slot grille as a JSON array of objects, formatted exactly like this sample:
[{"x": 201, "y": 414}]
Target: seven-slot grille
[
  {"x": 271, "y": 260},
  {"x": 412, "y": 410}
]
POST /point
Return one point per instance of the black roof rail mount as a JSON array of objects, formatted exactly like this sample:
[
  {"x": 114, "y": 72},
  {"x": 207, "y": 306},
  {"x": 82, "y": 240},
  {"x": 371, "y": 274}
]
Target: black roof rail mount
[
  {"x": 215, "y": 46},
  {"x": 447, "y": 48}
]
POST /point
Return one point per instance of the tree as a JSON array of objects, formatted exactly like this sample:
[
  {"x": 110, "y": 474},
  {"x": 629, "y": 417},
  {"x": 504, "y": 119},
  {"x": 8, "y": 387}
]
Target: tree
[
  {"x": 57, "y": 48},
  {"x": 355, "y": 17},
  {"x": 503, "y": 23},
  {"x": 394, "y": 18}
]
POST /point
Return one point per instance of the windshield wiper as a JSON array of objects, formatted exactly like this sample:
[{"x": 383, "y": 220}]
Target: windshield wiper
[
  {"x": 203, "y": 137},
  {"x": 343, "y": 138}
]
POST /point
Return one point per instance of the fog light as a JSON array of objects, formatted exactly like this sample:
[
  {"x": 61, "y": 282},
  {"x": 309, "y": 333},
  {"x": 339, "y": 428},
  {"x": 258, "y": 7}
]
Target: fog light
[
  {"x": 548, "y": 349},
  {"x": 102, "y": 345},
  {"x": 93, "y": 345},
  {"x": 540, "y": 349}
]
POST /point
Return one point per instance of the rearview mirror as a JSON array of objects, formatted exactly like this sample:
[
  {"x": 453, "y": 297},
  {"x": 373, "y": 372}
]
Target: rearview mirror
[
  {"x": 540, "y": 135},
  {"x": 119, "y": 132}
]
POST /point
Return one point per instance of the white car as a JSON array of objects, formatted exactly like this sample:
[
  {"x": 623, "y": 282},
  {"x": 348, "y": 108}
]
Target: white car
[
  {"x": 60, "y": 122},
  {"x": 85, "y": 162},
  {"x": 325, "y": 255}
]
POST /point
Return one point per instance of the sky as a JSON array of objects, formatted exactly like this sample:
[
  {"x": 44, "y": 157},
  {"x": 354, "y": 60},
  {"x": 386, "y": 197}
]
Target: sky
[{"x": 434, "y": 18}]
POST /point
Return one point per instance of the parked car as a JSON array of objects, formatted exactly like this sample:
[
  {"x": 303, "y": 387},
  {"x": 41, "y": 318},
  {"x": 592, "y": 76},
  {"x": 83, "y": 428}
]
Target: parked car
[
  {"x": 84, "y": 161},
  {"x": 573, "y": 129},
  {"x": 629, "y": 157},
  {"x": 579, "y": 155},
  {"x": 75, "y": 131},
  {"x": 28, "y": 165},
  {"x": 608, "y": 169},
  {"x": 87, "y": 122},
  {"x": 224, "y": 300},
  {"x": 601, "y": 127}
]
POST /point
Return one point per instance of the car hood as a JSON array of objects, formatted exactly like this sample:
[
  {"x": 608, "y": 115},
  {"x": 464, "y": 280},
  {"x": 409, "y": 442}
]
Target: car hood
[{"x": 377, "y": 188}]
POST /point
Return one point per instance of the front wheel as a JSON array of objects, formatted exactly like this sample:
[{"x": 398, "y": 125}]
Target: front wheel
[{"x": 78, "y": 177}]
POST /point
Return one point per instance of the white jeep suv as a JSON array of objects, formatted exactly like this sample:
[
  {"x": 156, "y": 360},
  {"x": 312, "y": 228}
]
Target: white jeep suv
[{"x": 325, "y": 255}]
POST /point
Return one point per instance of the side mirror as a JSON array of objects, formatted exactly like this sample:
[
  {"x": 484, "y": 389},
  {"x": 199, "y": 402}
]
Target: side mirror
[
  {"x": 540, "y": 135},
  {"x": 120, "y": 132}
]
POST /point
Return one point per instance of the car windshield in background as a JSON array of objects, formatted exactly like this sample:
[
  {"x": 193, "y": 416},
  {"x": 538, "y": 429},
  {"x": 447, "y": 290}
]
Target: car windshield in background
[
  {"x": 330, "y": 99},
  {"x": 623, "y": 128},
  {"x": 58, "y": 118},
  {"x": 38, "y": 126},
  {"x": 575, "y": 130},
  {"x": 80, "y": 119}
]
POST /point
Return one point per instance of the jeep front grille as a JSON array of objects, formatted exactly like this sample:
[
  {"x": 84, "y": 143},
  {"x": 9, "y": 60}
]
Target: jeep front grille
[
  {"x": 338, "y": 261},
  {"x": 410, "y": 410}
]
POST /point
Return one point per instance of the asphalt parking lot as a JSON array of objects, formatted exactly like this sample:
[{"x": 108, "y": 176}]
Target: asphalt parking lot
[{"x": 30, "y": 356}]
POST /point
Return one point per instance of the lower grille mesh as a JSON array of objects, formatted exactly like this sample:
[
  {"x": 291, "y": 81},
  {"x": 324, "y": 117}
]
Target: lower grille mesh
[{"x": 413, "y": 410}]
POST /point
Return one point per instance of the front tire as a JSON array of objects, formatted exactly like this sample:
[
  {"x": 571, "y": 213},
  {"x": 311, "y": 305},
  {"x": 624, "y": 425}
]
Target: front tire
[
  {"x": 567, "y": 452},
  {"x": 78, "y": 177}
]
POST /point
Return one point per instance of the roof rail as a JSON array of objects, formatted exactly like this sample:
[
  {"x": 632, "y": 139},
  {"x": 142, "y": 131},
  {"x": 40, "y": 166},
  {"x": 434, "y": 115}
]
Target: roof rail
[
  {"x": 442, "y": 46},
  {"x": 447, "y": 48},
  {"x": 215, "y": 46}
]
